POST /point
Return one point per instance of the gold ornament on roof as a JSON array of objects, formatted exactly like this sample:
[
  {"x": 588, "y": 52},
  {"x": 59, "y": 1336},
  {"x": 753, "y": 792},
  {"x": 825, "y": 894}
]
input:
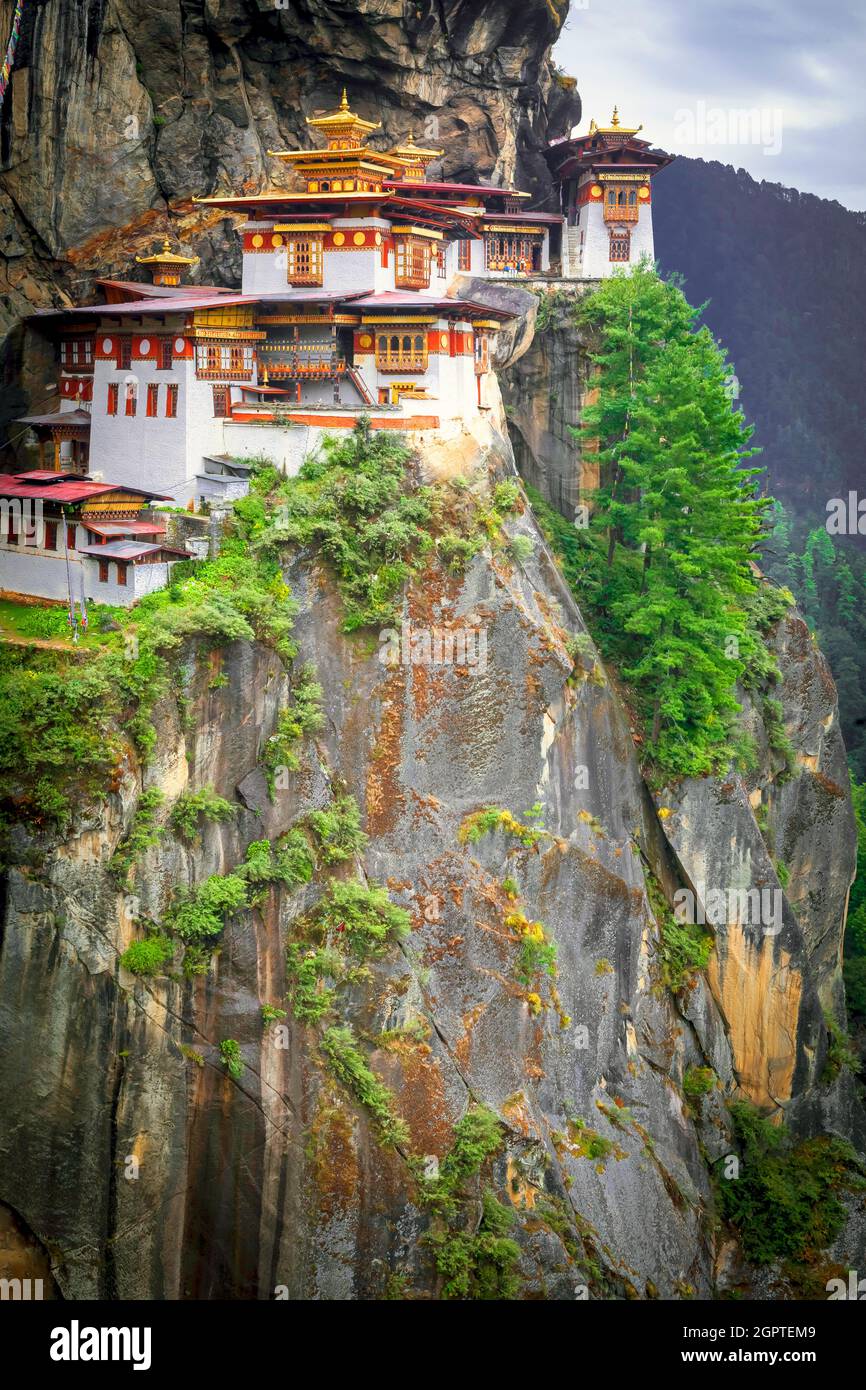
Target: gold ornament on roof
[
  {"x": 166, "y": 257},
  {"x": 615, "y": 127}
]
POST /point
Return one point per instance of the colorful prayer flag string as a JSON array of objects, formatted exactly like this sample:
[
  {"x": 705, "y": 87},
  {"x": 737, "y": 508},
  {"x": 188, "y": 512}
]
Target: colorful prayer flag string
[{"x": 9, "y": 60}]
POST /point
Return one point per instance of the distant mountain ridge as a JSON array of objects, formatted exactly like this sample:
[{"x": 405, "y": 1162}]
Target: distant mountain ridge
[{"x": 785, "y": 274}]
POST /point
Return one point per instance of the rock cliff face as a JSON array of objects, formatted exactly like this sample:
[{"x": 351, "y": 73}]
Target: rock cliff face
[
  {"x": 277, "y": 1179},
  {"x": 132, "y": 1163}
]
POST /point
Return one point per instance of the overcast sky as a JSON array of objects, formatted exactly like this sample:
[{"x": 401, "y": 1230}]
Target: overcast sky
[{"x": 690, "y": 70}]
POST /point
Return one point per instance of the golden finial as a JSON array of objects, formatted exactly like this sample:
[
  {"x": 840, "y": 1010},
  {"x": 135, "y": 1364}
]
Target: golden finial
[
  {"x": 614, "y": 120},
  {"x": 344, "y": 101},
  {"x": 166, "y": 245}
]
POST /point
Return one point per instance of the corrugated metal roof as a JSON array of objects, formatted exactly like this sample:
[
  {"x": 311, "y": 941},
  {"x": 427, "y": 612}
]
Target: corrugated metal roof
[
  {"x": 71, "y": 490},
  {"x": 128, "y": 550}
]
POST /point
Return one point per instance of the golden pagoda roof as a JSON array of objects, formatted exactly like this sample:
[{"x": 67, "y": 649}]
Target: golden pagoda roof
[
  {"x": 166, "y": 257},
  {"x": 410, "y": 152},
  {"x": 343, "y": 119},
  {"x": 614, "y": 128}
]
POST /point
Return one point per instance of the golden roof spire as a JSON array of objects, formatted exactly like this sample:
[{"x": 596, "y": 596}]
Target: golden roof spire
[
  {"x": 166, "y": 257},
  {"x": 343, "y": 125},
  {"x": 167, "y": 267},
  {"x": 615, "y": 127}
]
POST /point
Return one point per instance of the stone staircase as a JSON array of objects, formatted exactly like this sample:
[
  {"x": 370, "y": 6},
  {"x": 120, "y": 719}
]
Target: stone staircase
[{"x": 570, "y": 253}]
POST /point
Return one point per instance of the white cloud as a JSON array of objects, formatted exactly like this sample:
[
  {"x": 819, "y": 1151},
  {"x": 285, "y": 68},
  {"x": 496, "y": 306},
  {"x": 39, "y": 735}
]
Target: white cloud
[{"x": 794, "y": 62}]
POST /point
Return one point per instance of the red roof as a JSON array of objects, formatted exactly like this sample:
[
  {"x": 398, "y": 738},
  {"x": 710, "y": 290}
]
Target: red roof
[
  {"x": 138, "y": 290},
  {"x": 129, "y": 550},
  {"x": 483, "y": 188},
  {"x": 126, "y": 528},
  {"x": 395, "y": 299},
  {"x": 523, "y": 217},
  {"x": 69, "y": 489},
  {"x": 146, "y": 307}
]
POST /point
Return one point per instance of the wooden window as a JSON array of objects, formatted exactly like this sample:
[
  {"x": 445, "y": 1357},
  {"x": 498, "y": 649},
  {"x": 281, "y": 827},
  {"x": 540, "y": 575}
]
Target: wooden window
[
  {"x": 620, "y": 204},
  {"x": 77, "y": 353},
  {"x": 103, "y": 571},
  {"x": 413, "y": 263},
  {"x": 70, "y": 537},
  {"x": 113, "y": 393},
  {"x": 224, "y": 361},
  {"x": 464, "y": 255},
  {"x": 221, "y": 401},
  {"x": 304, "y": 260},
  {"x": 131, "y": 397},
  {"x": 441, "y": 260},
  {"x": 512, "y": 251},
  {"x": 125, "y": 359},
  {"x": 121, "y": 571},
  {"x": 620, "y": 247},
  {"x": 153, "y": 399},
  {"x": 166, "y": 354},
  {"x": 50, "y": 540},
  {"x": 401, "y": 352},
  {"x": 171, "y": 401}
]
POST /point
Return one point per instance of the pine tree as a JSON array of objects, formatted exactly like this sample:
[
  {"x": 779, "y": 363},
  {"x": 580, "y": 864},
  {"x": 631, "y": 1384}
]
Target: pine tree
[{"x": 679, "y": 517}]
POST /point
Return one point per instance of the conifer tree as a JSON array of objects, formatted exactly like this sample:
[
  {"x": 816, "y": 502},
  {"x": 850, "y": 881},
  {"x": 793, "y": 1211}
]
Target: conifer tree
[{"x": 679, "y": 516}]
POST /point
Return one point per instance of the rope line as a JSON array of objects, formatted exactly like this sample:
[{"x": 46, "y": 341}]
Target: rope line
[{"x": 9, "y": 60}]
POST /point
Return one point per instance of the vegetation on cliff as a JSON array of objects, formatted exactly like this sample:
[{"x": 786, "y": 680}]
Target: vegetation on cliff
[{"x": 665, "y": 567}]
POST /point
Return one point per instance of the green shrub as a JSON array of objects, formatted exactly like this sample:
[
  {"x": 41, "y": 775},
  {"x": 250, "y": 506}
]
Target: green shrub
[
  {"x": 481, "y": 1264},
  {"x": 698, "y": 1081},
  {"x": 302, "y": 717},
  {"x": 147, "y": 957},
  {"x": 456, "y": 551},
  {"x": 484, "y": 822},
  {"x": 521, "y": 549},
  {"x": 230, "y": 1056},
  {"x": 364, "y": 917},
  {"x": 350, "y": 1068},
  {"x": 840, "y": 1051},
  {"x": 784, "y": 1203},
  {"x": 143, "y": 833},
  {"x": 202, "y": 913},
  {"x": 204, "y": 804},
  {"x": 310, "y": 995},
  {"x": 685, "y": 947},
  {"x": 338, "y": 830}
]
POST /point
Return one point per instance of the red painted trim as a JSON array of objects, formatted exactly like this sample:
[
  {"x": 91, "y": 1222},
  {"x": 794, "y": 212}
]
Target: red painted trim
[{"x": 331, "y": 422}]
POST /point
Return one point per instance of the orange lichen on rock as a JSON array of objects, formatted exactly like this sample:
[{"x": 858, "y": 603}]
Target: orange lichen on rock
[{"x": 759, "y": 992}]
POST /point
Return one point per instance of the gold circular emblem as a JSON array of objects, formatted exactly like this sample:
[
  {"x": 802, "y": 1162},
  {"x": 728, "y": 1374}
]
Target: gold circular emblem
[
  {"x": 258, "y": 240},
  {"x": 443, "y": 339},
  {"x": 276, "y": 240},
  {"x": 643, "y": 192},
  {"x": 359, "y": 238},
  {"x": 339, "y": 238},
  {"x": 596, "y": 190},
  {"x": 365, "y": 340},
  {"x": 378, "y": 238}
]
